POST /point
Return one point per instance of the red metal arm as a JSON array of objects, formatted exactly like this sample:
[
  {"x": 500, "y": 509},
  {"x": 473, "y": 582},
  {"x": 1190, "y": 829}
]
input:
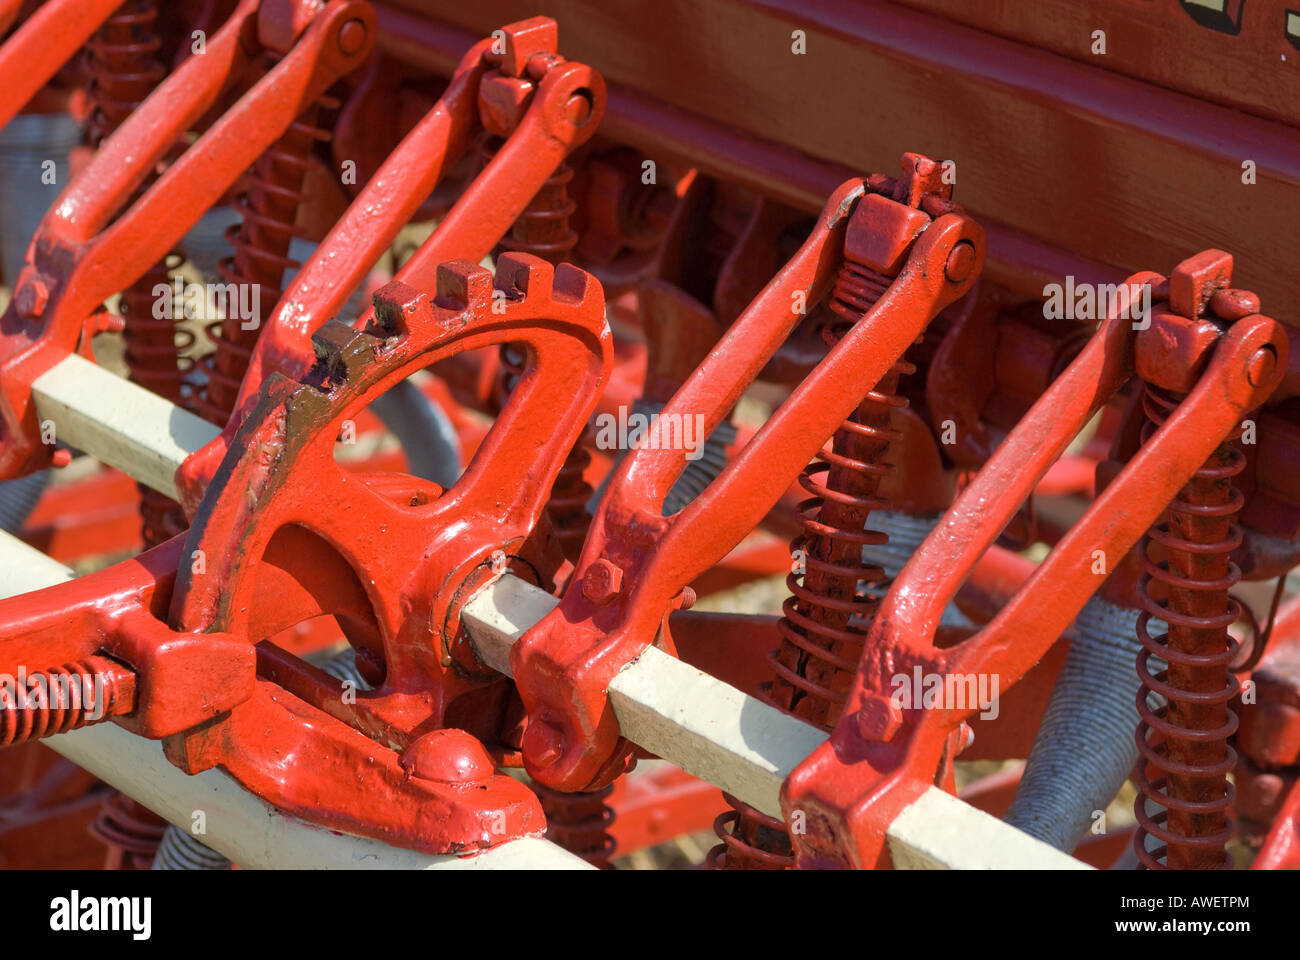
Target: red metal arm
[
  {"x": 81, "y": 255},
  {"x": 636, "y": 560},
  {"x": 47, "y": 40}
]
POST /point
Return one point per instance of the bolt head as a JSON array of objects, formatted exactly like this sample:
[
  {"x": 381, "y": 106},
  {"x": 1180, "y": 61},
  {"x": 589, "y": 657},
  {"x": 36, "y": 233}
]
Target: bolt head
[
  {"x": 879, "y": 718},
  {"x": 352, "y": 37},
  {"x": 961, "y": 261},
  {"x": 543, "y": 743},
  {"x": 578, "y": 109},
  {"x": 602, "y": 582},
  {"x": 31, "y": 298},
  {"x": 1261, "y": 365},
  {"x": 1232, "y": 305}
]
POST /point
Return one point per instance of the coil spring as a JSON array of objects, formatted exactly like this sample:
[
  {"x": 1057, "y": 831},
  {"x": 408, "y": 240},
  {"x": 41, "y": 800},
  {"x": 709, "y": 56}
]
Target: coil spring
[
  {"x": 1196, "y": 721},
  {"x": 824, "y": 620},
  {"x": 543, "y": 228},
  {"x": 130, "y": 831},
  {"x": 579, "y": 822},
  {"x": 751, "y": 840},
  {"x": 268, "y": 210},
  {"x": 56, "y": 701},
  {"x": 123, "y": 67},
  {"x": 120, "y": 61}
]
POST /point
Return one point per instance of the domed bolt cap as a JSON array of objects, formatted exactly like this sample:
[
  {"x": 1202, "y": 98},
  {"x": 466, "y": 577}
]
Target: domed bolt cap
[{"x": 448, "y": 756}]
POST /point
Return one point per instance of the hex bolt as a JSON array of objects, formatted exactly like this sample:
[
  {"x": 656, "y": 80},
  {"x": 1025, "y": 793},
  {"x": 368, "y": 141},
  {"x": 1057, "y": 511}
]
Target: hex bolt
[
  {"x": 879, "y": 718},
  {"x": 543, "y": 743},
  {"x": 32, "y": 298},
  {"x": 602, "y": 582}
]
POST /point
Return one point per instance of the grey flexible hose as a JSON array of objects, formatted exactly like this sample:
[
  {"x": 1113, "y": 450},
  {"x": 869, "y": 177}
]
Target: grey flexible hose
[
  {"x": 1085, "y": 748},
  {"x": 906, "y": 534},
  {"x": 427, "y": 436},
  {"x": 343, "y": 667},
  {"x": 27, "y": 143},
  {"x": 18, "y": 499},
  {"x": 180, "y": 850}
]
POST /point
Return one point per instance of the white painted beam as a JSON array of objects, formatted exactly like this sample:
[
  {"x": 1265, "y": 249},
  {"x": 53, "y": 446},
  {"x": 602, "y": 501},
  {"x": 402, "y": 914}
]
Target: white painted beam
[
  {"x": 24, "y": 568},
  {"x": 119, "y": 423},
  {"x": 736, "y": 742},
  {"x": 940, "y": 832},
  {"x": 239, "y": 825}
]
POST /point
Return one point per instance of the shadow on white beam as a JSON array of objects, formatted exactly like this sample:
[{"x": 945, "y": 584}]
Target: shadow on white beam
[{"x": 747, "y": 748}]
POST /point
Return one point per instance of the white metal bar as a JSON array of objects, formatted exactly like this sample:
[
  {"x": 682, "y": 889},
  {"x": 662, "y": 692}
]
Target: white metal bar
[
  {"x": 239, "y": 825},
  {"x": 746, "y": 747},
  {"x": 118, "y": 422}
]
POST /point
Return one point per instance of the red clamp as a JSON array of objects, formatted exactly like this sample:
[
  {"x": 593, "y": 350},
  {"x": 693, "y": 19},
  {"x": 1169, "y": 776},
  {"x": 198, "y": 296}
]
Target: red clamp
[{"x": 285, "y": 534}]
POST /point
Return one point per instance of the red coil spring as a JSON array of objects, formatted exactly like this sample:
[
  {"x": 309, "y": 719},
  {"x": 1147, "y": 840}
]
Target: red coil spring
[
  {"x": 122, "y": 67},
  {"x": 543, "y": 228},
  {"x": 269, "y": 210},
  {"x": 57, "y": 700},
  {"x": 1186, "y": 741},
  {"x": 579, "y": 822},
  {"x": 124, "y": 70},
  {"x": 824, "y": 620},
  {"x": 131, "y": 832},
  {"x": 751, "y": 840}
]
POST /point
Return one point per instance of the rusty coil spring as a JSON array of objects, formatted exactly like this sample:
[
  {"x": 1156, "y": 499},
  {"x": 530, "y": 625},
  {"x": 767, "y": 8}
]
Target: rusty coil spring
[
  {"x": 130, "y": 831},
  {"x": 579, "y": 822},
  {"x": 124, "y": 69},
  {"x": 268, "y": 208},
  {"x": 825, "y": 618},
  {"x": 1186, "y": 740},
  {"x": 56, "y": 701}
]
